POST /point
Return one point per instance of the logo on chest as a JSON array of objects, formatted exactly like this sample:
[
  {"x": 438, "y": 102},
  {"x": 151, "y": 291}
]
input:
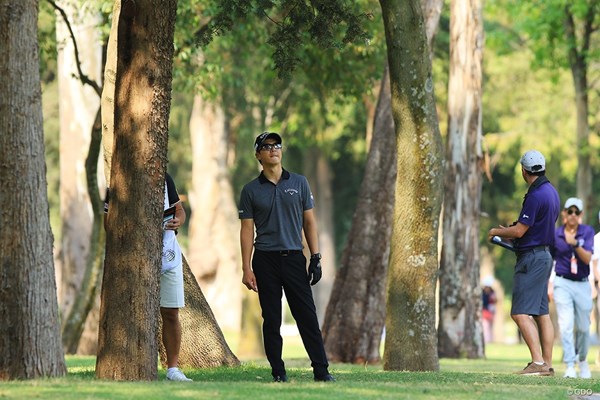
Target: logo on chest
[{"x": 291, "y": 192}]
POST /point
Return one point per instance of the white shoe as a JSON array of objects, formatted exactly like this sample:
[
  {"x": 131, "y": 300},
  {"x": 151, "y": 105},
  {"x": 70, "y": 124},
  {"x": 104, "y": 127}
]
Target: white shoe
[
  {"x": 570, "y": 373},
  {"x": 175, "y": 374},
  {"x": 584, "y": 370}
]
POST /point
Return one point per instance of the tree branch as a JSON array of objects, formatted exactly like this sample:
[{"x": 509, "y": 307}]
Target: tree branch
[{"x": 83, "y": 77}]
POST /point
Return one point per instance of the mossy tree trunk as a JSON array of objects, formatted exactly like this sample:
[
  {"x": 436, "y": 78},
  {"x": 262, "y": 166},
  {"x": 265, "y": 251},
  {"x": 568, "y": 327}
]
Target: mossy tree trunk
[{"x": 411, "y": 340}]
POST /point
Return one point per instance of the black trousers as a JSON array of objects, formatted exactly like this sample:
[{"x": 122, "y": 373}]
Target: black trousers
[{"x": 275, "y": 271}]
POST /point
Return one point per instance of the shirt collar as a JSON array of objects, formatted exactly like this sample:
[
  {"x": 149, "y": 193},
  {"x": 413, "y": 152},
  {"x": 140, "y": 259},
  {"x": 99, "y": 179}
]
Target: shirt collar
[{"x": 263, "y": 179}]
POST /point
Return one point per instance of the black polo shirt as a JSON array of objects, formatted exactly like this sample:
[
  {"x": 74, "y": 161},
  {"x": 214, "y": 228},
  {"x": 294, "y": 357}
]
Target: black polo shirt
[{"x": 277, "y": 210}]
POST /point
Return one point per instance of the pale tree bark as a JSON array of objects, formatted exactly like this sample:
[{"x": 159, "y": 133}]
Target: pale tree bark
[
  {"x": 411, "y": 341},
  {"x": 79, "y": 106},
  {"x": 126, "y": 350},
  {"x": 356, "y": 312},
  {"x": 318, "y": 173},
  {"x": 460, "y": 331},
  {"x": 30, "y": 342},
  {"x": 578, "y": 53},
  {"x": 213, "y": 223}
]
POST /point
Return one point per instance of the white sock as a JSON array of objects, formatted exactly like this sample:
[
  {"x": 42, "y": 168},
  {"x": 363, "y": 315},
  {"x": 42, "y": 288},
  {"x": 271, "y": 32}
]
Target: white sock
[{"x": 538, "y": 363}]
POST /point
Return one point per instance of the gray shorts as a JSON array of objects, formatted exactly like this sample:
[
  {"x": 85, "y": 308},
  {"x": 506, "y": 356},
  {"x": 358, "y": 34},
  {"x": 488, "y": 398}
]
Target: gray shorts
[{"x": 530, "y": 283}]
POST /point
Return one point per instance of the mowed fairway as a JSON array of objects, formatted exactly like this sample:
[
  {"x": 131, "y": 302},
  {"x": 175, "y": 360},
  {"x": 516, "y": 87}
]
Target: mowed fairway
[{"x": 457, "y": 379}]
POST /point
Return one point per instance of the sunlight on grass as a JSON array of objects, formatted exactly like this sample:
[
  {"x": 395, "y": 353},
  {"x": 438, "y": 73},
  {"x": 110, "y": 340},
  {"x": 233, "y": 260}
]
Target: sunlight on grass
[{"x": 491, "y": 378}]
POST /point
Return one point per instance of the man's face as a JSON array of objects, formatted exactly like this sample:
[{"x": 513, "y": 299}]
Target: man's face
[
  {"x": 572, "y": 216},
  {"x": 270, "y": 152}
]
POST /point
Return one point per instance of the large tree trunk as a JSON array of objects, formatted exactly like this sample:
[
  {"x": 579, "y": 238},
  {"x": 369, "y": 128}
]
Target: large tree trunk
[
  {"x": 30, "y": 342},
  {"x": 318, "y": 172},
  {"x": 213, "y": 222},
  {"x": 411, "y": 340},
  {"x": 460, "y": 331},
  {"x": 79, "y": 107},
  {"x": 356, "y": 311},
  {"x": 202, "y": 342},
  {"x": 126, "y": 350}
]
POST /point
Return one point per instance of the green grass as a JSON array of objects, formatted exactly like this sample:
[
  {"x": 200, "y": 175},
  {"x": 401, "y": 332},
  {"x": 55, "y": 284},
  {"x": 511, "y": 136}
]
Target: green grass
[{"x": 488, "y": 379}]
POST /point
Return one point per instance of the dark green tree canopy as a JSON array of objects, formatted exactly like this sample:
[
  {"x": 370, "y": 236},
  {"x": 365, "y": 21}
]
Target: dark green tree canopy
[{"x": 327, "y": 23}]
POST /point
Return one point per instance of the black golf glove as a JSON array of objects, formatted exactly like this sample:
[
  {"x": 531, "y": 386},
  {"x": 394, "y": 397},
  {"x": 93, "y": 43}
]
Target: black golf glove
[{"x": 314, "y": 269}]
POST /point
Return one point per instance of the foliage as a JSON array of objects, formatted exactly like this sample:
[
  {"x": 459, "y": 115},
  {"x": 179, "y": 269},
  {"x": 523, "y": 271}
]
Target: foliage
[
  {"x": 459, "y": 379},
  {"x": 328, "y": 23}
]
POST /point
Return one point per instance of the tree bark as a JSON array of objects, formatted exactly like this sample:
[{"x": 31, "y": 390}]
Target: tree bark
[
  {"x": 202, "y": 342},
  {"x": 460, "y": 331},
  {"x": 30, "y": 341},
  {"x": 126, "y": 350},
  {"x": 356, "y": 312},
  {"x": 213, "y": 222},
  {"x": 411, "y": 341},
  {"x": 578, "y": 54}
]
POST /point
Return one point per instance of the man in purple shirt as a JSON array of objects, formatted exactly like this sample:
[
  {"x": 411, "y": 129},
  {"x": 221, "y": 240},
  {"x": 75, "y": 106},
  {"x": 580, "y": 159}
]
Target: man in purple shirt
[
  {"x": 570, "y": 289},
  {"x": 533, "y": 237}
]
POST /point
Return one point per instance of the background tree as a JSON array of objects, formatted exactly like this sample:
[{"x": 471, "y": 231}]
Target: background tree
[
  {"x": 144, "y": 57},
  {"x": 357, "y": 307},
  {"x": 411, "y": 341},
  {"x": 561, "y": 35},
  {"x": 459, "y": 331},
  {"x": 30, "y": 343},
  {"x": 81, "y": 251}
]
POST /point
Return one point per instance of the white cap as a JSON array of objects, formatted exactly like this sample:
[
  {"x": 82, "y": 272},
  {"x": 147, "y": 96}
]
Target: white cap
[
  {"x": 488, "y": 281},
  {"x": 533, "y": 161},
  {"x": 574, "y": 202}
]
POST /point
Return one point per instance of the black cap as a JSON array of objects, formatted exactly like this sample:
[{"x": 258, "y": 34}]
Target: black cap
[{"x": 260, "y": 139}]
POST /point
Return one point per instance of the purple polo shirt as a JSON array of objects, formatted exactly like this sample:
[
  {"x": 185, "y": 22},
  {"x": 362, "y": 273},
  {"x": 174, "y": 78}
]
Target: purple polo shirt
[
  {"x": 564, "y": 251},
  {"x": 541, "y": 207}
]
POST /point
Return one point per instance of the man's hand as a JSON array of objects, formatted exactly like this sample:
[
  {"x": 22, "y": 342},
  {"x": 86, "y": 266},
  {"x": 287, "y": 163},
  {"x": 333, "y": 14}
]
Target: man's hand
[
  {"x": 249, "y": 280},
  {"x": 314, "y": 269}
]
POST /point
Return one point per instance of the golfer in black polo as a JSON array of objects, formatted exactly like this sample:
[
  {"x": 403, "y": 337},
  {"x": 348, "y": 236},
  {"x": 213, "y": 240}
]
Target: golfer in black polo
[{"x": 280, "y": 205}]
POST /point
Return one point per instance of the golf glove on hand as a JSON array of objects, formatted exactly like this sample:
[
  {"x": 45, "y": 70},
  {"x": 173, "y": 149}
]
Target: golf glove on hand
[{"x": 314, "y": 269}]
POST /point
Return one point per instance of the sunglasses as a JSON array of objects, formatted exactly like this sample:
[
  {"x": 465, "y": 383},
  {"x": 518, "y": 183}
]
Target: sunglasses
[
  {"x": 269, "y": 147},
  {"x": 571, "y": 212}
]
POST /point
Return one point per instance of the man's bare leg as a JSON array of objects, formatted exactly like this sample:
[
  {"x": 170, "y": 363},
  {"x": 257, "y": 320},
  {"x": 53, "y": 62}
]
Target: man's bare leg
[
  {"x": 546, "y": 330},
  {"x": 530, "y": 334}
]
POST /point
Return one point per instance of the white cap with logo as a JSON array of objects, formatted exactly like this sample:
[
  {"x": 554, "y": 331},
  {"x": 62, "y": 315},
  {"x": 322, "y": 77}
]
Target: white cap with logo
[{"x": 533, "y": 161}]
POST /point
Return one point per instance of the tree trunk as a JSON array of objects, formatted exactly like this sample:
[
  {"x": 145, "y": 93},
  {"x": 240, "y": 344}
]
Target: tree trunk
[
  {"x": 126, "y": 350},
  {"x": 318, "y": 172},
  {"x": 30, "y": 342},
  {"x": 460, "y": 331},
  {"x": 213, "y": 222},
  {"x": 578, "y": 60},
  {"x": 79, "y": 108},
  {"x": 411, "y": 341},
  {"x": 74, "y": 322},
  {"x": 356, "y": 311},
  {"x": 202, "y": 342}
]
